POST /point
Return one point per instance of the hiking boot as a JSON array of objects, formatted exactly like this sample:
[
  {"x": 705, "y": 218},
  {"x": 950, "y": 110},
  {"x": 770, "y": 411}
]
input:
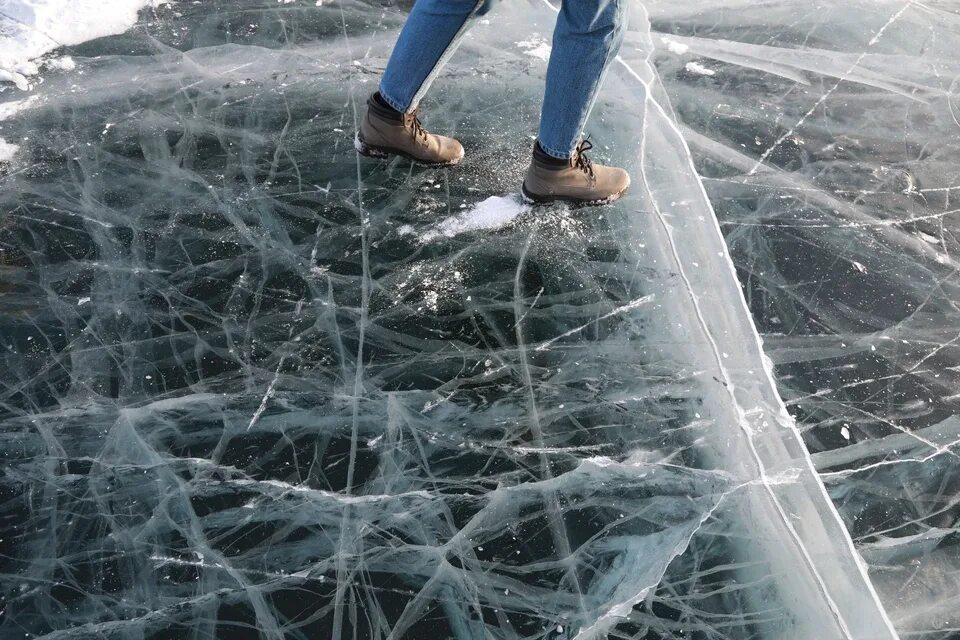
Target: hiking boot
[
  {"x": 576, "y": 180},
  {"x": 385, "y": 131}
]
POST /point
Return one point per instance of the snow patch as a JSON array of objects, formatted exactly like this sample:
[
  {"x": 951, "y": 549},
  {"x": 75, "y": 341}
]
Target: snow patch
[
  {"x": 7, "y": 151},
  {"x": 64, "y": 63},
  {"x": 536, "y": 47},
  {"x": 696, "y": 67},
  {"x": 493, "y": 213},
  {"x": 675, "y": 47},
  {"x": 9, "y": 109},
  {"x": 31, "y": 28}
]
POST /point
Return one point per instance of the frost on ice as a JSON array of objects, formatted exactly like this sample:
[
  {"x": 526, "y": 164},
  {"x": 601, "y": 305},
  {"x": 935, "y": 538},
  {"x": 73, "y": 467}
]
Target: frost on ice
[{"x": 252, "y": 385}]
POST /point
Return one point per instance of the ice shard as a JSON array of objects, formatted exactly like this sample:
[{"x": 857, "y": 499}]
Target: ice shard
[{"x": 256, "y": 387}]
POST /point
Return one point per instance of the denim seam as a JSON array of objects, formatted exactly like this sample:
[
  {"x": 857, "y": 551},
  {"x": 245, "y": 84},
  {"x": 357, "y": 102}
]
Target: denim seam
[
  {"x": 390, "y": 101},
  {"x": 595, "y": 89},
  {"x": 451, "y": 47},
  {"x": 553, "y": 153}
]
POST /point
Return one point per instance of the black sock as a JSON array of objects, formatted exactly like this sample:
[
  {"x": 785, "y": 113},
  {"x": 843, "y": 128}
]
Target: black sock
[
  {"x": 383, "y": 108},
  {"x": 545, "y": 158}
]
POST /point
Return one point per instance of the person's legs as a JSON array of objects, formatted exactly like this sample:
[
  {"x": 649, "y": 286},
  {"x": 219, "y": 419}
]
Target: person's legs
[
  {"x": 431, "y": 34},
  {"x": 390, "y": 126},
  {"x": 586, "y": 39}
]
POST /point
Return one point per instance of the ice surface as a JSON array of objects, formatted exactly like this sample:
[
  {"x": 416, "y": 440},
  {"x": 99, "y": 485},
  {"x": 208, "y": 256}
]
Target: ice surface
[{"x": 253, "y": 387}]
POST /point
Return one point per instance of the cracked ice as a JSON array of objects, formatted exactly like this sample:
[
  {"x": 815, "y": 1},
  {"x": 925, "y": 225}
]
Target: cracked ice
[{"x": 254, "y": 387}]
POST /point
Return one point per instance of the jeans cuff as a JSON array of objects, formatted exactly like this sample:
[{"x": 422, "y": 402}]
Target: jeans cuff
[
  {"x": 390, "y": 101},
  {"x": 553, "y": 153}
]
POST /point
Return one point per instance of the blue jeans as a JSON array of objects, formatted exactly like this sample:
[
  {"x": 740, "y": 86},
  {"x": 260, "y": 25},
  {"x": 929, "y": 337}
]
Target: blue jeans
[{"x": 585, "y": 41}]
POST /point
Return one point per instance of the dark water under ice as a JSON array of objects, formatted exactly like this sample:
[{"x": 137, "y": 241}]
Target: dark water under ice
[{"x": 252, "y": 387}]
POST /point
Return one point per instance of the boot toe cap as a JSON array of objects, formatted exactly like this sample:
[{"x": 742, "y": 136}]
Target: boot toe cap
[
  {"x": 617, "y": 180},
  {"x": 624, "y": 180},
  {"x": 451, "y": 149}
]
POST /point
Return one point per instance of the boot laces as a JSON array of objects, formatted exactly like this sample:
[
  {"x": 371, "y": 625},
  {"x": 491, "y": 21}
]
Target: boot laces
[
  {"x": 582, "y": 162},
  {"x": 418, "y": 130}
]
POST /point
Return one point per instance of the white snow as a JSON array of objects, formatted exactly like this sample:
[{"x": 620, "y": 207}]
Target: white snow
[
  {"x": 493, "y": 213},
  {"x": 65, "y": 63},
  {"x": 675, "y": 47},
  {"x": 8, "y": 109},
  {"x": 536, "y": 47},
  {"x": 7, "y": 151},
  {"x": 696, "y": 67},
  {"x": 31, "y": 28}
]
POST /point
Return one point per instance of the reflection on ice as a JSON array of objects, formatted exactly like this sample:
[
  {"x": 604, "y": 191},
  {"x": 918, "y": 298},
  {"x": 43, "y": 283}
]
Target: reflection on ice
[{"x": 254, "y": 387}]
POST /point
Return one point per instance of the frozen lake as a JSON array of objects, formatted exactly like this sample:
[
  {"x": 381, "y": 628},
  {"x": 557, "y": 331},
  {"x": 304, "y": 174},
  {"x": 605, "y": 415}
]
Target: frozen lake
[{"x": 255, "y": 387}]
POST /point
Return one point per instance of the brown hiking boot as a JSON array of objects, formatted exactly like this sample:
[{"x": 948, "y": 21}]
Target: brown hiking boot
[
  {"x": 384, "y": 132},
  {"x": 577, "y": 180}
]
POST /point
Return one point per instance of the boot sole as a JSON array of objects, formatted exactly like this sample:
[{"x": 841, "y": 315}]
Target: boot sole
[
  {"x": 380, "y": 153},
  {"x": 534, "y": 199}
]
